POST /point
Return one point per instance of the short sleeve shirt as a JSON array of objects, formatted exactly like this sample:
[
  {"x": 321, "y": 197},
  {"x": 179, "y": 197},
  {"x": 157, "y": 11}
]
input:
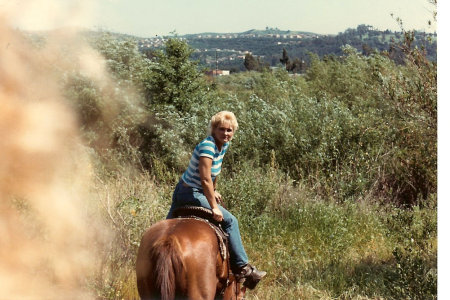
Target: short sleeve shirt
[{"x": 206, "y": 148}]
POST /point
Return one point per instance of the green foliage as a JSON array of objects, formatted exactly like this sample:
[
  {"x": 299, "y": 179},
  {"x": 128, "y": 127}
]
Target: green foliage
[
  {"x": 340, "y": 251},
  {"x": 139, "y": 115},
  {"x": 175, "y": 79},
  {"x": 310, "y": 136},
  {"x": 250, "y": 190},
  {"x": 352, "y": 125},
  {"x": 253, "y": 64},
  {"x": 250, "y": 63},
  {"x": 311, "y": 249},
  {"x": 176, "y": 93},
  {"x": 268, "y": 46},
  {"x": 285, "y": 58},
  {"x": 414, "y": 233},
  {"x": 170, "y": 136},
  {"x": 416, "y": 279},
  {"x": 312, "y": 172},
  {"x": 124, "y": 60}
]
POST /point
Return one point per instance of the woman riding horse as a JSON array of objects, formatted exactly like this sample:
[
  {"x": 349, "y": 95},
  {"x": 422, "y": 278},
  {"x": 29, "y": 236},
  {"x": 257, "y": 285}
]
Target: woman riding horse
[{"x": 197, "y": 187}]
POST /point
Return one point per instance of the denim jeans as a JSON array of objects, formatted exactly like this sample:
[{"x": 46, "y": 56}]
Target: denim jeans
[{"x": 194, "y": 196}]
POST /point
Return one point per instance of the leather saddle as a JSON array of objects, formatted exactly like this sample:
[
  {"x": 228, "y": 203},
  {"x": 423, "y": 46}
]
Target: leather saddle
[{"x": 205, "y": 215}]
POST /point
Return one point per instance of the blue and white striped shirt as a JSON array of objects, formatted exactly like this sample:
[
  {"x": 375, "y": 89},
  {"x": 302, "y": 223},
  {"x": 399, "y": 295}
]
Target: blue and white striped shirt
[{"x": 206, "y": 148}]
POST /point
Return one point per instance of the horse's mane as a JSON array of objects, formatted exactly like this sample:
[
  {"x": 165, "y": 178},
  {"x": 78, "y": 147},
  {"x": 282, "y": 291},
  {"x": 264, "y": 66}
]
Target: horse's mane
[{"x": 167, "y": 253}]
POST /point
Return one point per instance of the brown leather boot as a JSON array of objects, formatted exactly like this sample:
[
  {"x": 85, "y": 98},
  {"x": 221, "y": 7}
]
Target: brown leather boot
[{"x": 250, "y": 275}]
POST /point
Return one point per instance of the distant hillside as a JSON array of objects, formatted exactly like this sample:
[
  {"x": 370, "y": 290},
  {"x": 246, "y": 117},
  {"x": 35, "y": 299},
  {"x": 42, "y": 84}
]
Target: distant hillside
[
  {"x": 278, "y": 31},
  {"x": 268, "y": 32},
  {"x": 227, "y": 50}
]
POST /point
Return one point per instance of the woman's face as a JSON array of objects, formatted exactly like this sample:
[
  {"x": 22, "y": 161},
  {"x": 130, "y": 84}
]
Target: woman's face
[{"x": 223, "y": 133}]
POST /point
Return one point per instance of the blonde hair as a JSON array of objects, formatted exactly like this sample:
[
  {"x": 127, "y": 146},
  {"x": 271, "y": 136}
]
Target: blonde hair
[{"x": 220, "y": 118}]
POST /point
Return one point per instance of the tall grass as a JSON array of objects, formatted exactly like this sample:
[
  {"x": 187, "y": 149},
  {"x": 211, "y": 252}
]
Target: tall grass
[
  {"x": 343, "y": 250},
  {"x": 129, "y": 204},
  {"x": 312, "y": 248}
]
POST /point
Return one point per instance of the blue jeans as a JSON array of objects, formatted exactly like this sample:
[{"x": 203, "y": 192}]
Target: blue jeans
[{"x": 183, "y": 196}]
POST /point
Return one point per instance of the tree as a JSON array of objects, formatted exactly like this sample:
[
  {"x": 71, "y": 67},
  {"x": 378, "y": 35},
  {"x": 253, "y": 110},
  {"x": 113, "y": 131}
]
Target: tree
[
  {"x": 251, "y": 63},
  {"x": 175, "y": 93},
  {"x": 285, "y": 58},
  {"x": 367, "y": 50},
  {"x": 174, "y": 79},
  {"x": 297, "y": 66}
]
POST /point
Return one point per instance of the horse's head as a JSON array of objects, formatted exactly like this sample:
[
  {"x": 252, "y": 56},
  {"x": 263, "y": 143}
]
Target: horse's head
[{"x": 235, "y": 290}]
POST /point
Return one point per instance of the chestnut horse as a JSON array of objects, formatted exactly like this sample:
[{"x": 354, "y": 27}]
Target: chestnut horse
[{"x": 180, "y": 259}]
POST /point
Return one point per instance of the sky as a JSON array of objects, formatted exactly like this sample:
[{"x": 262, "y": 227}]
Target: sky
[{"x": 148, "y": 18}]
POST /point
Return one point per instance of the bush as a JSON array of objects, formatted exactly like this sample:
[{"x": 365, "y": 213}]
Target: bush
[
  {"x": 414, "y": 234},
  {"x": 396, "y": 106},
  {"x": 350, "y": 127}
]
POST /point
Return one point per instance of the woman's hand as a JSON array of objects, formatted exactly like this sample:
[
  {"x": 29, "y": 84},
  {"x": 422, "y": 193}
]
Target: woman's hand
[
  {"x": 217, "y": 214},
  {"x": 218, "y": 197}
]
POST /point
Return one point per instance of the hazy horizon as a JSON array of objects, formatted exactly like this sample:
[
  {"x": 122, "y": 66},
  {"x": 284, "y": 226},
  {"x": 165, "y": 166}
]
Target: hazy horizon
[{"x": 146, "y": 19}]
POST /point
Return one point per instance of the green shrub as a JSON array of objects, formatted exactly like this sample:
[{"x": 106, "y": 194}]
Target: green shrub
[
  {"x": 350, "y": 127},
  {"x": 250, "y": 190},
  {"x": 414, "y": 234},
  {"x": 415, "y": 274},
  {"x": 396, "y": 105}
]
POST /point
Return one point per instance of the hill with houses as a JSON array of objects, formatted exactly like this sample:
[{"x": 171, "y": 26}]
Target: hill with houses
[{"x": 227, "y": 50}]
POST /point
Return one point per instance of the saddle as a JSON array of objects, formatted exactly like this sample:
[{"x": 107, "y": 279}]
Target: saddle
[
  {"x": 205, "y": 215},
  {"x": 246, "y": 276}
]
